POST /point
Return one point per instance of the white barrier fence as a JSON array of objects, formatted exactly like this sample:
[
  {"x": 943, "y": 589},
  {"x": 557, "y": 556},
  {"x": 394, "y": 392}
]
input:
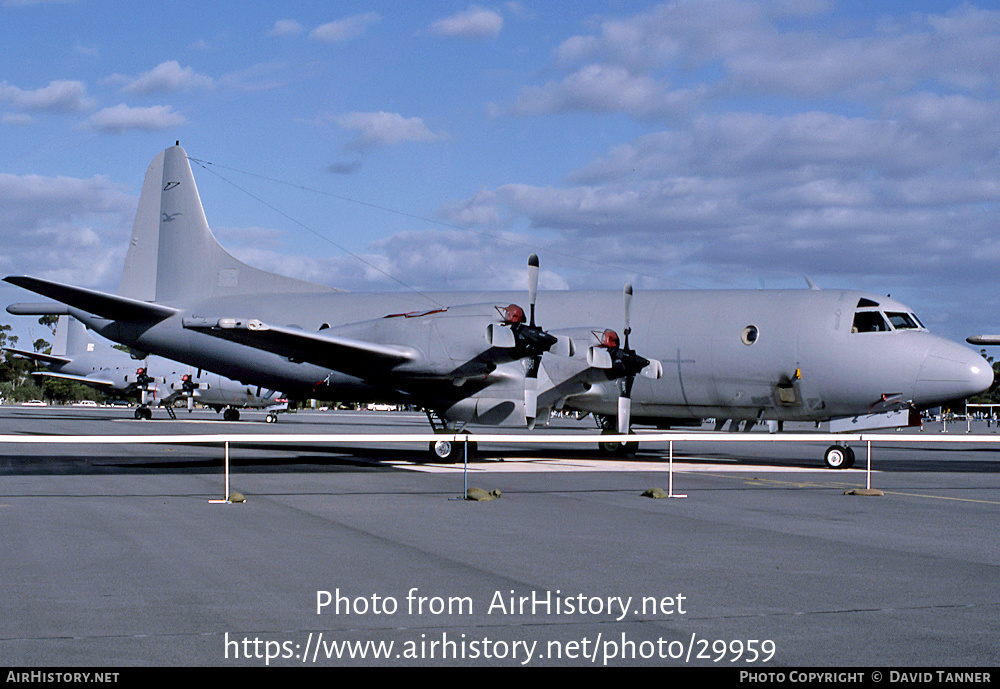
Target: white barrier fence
[{"x": 667, "y": 437}]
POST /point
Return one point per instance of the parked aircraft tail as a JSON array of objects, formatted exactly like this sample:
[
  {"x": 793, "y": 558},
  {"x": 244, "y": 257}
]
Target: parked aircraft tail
[
  {"x": 173, "y": 255},
  {"x": 71, "y": 338}
]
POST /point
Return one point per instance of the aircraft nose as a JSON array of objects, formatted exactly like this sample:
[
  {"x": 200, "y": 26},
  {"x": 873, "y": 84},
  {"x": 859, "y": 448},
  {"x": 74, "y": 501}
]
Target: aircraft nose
[{"x": 951, "y": 371}]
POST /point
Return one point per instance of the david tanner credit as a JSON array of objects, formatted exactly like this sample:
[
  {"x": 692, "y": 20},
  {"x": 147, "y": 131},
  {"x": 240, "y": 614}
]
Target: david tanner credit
[{"x": 938, "y": 676}]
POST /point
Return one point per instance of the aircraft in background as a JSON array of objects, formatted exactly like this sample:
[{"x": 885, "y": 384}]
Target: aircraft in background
[
  {"x": 76, "y": 356},
  {"x": 478, "y": 357},
  {"x": 984, "y": 340}
]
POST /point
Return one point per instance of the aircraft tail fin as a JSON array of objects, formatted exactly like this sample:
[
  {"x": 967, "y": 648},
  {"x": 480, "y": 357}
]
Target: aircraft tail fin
[
  {"x": 72, "y": 338},
  {"x": 60, "y": 344},
  {"x": 173, "y": 257}
]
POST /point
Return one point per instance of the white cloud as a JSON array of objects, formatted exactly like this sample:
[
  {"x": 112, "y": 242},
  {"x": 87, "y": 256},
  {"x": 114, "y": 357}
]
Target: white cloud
[
  {"x": 286, "y": 27},
  {"x": 604, "y": 89},
  {"x": 58, "y": 96},
  {"x": 344, "y": 29},
  {"x": 475, "y": 22},
  {"x": 64, "y": 228},
  {"x": 851, "y": 201},
  {"x": 374, "y": 129},
  {"x": 463, "y": 260},
  {"x": 19, "y": 119},
  {"x": 121, "y": 117},
  {"x": 166, "y": 77},
  {"x": 756, "y": 51}
]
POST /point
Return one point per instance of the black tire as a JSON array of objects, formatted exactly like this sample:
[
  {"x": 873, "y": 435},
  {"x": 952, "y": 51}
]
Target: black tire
[
  {"x": 616, "y": 449},
  {"x": 231, "y": 414},
  {"x": 850, "y": 458}
]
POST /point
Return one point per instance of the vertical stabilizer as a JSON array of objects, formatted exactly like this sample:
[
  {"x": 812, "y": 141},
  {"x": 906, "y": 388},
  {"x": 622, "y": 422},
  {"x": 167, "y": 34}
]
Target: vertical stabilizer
[
  {"x": 72, "y": 338},
  {"x": 139, "y": 276},
  {"x": 173, "y": 257},
  {"x": 59, "y": 342}
]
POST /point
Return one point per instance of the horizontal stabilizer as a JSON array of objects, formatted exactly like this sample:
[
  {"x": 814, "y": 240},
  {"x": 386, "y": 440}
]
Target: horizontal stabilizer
[
  {"x": 97, "y": 382},
  {"x": 102, "y": 304},
  {"x": 38, "y": 308},
  {"x": 38, "y": 356},
  {"x": 353, "y": 357}
]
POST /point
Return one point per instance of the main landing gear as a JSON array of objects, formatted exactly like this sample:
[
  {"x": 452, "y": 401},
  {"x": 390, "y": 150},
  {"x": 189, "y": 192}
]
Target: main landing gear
[
  {"x": 616, "y": 449},
  {"x": 445, "y": 451},
  {"x": 609, "y": 426},
  {"x": 839, "y": 457}
]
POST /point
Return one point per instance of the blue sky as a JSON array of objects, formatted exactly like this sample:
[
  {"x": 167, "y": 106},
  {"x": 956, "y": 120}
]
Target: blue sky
[{"x": 696, "y": 143}]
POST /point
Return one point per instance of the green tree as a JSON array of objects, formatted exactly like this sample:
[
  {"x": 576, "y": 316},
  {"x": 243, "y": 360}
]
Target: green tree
[{"x": 50, "y": 322}]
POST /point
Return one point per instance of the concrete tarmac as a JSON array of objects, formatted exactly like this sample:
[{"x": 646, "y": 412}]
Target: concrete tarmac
[{"x": 113, "y": 556}]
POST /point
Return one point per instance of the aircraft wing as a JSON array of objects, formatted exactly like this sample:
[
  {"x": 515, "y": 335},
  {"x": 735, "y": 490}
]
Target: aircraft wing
[
  {"x": 110, "y": 306},
  {"x": 38, "y": 356},
  {"x": 353, "y": 357},
  {"x": 97, "y": 382}
]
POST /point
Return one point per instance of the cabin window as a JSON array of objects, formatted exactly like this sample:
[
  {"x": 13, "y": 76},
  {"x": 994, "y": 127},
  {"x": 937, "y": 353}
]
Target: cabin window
[
  {"x": 869, "y": 322},
  {"x": 750, "y": 334},
  {"x": 902, "y": 321}
]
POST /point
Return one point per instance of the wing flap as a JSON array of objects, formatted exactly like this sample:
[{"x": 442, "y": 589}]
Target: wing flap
[
  {"x": 354, "y": 357},
  {"x": 110, "y": 306}
]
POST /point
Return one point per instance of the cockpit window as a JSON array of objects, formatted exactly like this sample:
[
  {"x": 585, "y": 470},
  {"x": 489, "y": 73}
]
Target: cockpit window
[
  {"x": 869, "y": 322},
  {"x": 902, "y": 321},
  {"x": 863, "y": 302}
]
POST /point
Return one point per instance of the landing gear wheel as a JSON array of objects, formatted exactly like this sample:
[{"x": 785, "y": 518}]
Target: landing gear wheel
[
  {"x": 446, "y": 452},
  {"x": 231, "y": 414},
  {"x": 616, "y": 449},
  {"x": 143, "y": 413},
  {"x": 839, "y": 457},
  {"x": 271, "y": 418}
]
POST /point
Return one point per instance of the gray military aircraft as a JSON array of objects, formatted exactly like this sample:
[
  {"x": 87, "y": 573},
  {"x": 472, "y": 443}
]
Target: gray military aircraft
[
  {"x": 76, "y": 356},
  {"x": 478, "y": 357}
]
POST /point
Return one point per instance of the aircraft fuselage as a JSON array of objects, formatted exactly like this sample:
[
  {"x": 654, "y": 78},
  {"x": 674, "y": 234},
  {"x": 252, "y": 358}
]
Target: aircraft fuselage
[{"x": 764, "y": 354}]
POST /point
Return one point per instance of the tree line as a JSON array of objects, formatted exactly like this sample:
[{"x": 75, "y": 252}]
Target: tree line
[{"x": 17, "y": 382}]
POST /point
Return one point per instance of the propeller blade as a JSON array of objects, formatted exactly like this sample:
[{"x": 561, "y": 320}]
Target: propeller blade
[
  {"x": 530, "y": 401},
  {"x": 625, "y": 384},
  {"x": 627, "y": 304},
  {"x": 599, "y": 357},
  {"x": 531, "y": 374},
  {"x": 532, "y": 285},
  {"x": 624, "y": 414},
  {"x": 531, "y": 390},
  {"x": 653, "y": 370}
]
